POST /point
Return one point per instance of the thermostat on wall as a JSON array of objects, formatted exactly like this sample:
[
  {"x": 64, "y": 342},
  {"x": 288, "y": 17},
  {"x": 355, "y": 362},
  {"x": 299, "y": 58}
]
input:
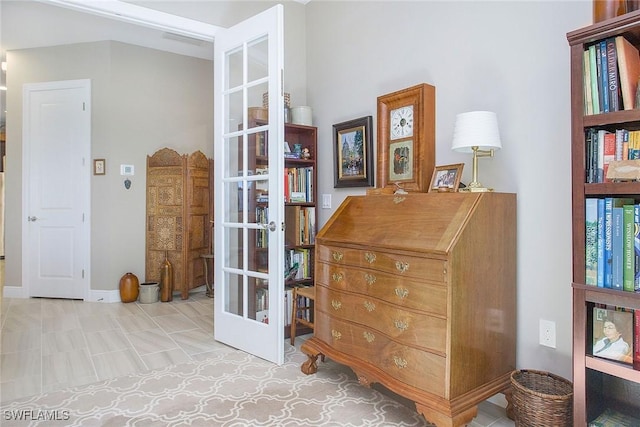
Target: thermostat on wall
[{"x": 126, "y": 169}]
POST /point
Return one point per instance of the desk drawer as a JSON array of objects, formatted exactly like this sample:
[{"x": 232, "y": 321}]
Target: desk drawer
[
  {"x": 393, "y": 288},
  {"x": 404, "y": 265},
  {"x": 406, "y": 326},
  {"x": 411, "y": 366}
]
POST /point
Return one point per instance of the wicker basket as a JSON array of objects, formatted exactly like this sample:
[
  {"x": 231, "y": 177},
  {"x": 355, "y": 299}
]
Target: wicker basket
[{"x": 541, "y": 399}]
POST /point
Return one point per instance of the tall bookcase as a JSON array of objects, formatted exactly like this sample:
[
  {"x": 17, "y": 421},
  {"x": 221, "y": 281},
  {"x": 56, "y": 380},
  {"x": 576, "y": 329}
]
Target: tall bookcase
[
  {"x": 599, "y": 384},
  {"x": 300, "y": 176}
]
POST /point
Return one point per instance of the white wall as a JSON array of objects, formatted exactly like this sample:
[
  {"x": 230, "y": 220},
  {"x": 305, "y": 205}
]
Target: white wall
[{"x": 507, "y": 57}]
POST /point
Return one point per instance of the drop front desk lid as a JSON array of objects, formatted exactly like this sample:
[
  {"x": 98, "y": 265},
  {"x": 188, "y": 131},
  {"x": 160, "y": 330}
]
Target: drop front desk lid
[{"x": 416, "y": 222}]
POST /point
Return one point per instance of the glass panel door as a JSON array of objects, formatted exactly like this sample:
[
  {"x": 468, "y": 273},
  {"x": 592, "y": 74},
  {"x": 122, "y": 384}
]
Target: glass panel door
[{"x": 249, "y": 146}]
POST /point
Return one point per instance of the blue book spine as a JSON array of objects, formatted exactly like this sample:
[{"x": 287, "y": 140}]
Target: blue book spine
[
  {"x": 591, "y": 242},
  {"x": 608, "y": 213},
  {"x": 616, "y": 249},
  {"x": 604, "y": 76},
  {"x": 601, "y": 243}
]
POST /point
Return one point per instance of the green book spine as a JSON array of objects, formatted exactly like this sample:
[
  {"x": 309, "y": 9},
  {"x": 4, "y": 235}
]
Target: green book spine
[{"x": 628, "y": 250}]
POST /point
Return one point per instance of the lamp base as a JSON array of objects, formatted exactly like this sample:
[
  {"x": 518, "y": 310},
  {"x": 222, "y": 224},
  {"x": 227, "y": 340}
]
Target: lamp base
[{"x": 474, "y": 190}]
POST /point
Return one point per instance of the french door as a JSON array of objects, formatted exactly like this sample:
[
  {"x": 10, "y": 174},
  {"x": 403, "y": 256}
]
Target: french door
[{"x": 249, "y": 186}]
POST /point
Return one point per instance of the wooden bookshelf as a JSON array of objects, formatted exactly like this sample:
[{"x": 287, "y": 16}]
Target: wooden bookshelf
[
  {"x": 597, "y": 382},
  {"x": 305, "y": 137}
]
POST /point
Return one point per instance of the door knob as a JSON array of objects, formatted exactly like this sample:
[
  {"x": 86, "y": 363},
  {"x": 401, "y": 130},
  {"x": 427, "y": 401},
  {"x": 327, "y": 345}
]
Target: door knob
[{"x": 271, "y": 226}]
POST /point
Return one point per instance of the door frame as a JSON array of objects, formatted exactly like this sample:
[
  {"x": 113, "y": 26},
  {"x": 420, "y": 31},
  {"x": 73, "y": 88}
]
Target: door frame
[{"x": 84, "y": 84}]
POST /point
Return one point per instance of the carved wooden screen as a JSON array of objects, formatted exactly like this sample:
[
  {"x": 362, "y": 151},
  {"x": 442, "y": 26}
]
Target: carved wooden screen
[{"x": 178, "y": 215}]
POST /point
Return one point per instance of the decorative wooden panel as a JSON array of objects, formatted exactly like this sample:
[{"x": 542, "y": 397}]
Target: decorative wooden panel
[{"x": 178, "y": 214}]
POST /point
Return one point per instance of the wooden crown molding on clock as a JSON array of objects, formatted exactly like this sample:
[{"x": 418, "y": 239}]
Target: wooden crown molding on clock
[{"x": 406, "y": 138}]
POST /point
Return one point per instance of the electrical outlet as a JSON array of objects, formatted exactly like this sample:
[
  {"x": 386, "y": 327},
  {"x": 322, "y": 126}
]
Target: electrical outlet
[
  {"x": 548, "y": 333},
  {"x": 326, "y": 201}
]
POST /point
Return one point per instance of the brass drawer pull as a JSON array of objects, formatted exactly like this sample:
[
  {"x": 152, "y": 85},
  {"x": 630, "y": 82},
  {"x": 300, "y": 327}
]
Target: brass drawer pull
[
  {"x": 369, "y": 306},
  {"x": 335, "y": 334},
  {"x": 400, "y": 362},
  {"x": 337, "y": 305},
  {"x": 370, "y": 257},
  {"x": 370, "y": 278},
  {"x": 337, "y": 256},
  {"x": 401, "y": 325},
  {"x": 336, "y": 277},
  {"x": 402, "y": 266},
  {"x": 402, "y": 292},
  {"x": 369, "y": 336}
]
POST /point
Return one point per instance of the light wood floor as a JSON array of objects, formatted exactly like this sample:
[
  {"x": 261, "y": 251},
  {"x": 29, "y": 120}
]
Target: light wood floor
[{"x": 51, "y": 344}]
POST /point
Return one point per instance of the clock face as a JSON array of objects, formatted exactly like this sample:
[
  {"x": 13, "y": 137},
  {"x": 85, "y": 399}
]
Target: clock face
[{"x": 402, "y": 122}]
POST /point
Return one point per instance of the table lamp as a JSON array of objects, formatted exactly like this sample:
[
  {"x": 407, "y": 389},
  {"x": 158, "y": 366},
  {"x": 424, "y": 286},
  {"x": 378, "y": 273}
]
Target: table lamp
[{"x": 476, "y": 132}]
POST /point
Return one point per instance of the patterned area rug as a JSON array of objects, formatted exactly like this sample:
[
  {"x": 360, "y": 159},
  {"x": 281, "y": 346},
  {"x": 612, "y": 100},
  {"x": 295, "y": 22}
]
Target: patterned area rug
[{"x": 229, "y": 388}]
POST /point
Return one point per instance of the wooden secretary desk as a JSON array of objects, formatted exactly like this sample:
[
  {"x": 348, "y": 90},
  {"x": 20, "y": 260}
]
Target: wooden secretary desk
[{"x": 418, "y": 293}]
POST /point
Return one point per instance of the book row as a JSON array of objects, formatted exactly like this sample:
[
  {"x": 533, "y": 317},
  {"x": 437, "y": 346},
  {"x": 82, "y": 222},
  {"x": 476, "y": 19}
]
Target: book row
[
  {"x": 298, "y": 185},
  {"x": 298, "y": 264},
  {"x": 611, "y": 68},
  {"x": 262, "y": 306},
  {"x": 604, "y": 147},
  {"x": 301, "y": 225},
  {"x": 612, "y": 243}
]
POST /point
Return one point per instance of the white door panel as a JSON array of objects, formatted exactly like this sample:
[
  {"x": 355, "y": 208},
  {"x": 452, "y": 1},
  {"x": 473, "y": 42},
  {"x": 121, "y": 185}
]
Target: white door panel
[
  {"x": 56, "y": 178},
  {"x": 249, "y": 171}
]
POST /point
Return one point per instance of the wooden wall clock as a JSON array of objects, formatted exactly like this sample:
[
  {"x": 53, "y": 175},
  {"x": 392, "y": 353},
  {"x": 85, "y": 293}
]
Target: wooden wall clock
[{"x": 406, "y": 138}]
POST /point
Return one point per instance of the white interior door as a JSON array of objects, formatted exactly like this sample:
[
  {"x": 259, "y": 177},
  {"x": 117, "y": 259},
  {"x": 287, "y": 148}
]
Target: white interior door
[
  {"x": 56, "y": 135},
  {"x": 249, "y": 209}
]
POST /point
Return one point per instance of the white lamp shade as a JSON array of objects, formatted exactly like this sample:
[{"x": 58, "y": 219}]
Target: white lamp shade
[{"x": 476, "y": 129}]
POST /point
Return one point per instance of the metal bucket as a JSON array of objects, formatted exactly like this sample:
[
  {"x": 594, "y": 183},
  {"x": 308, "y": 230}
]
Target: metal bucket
[{"x": 149, "y": 292}]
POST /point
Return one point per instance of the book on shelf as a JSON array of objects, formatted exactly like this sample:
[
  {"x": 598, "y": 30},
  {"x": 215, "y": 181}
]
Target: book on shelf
[
  {"x": 609, "y": 204},
  {"x": 591, "y": 242},
  {"x": 613, "y": 85},
  {"x": 628, "y": 248},
  {"x": 636, "y": 340},
  {"x": 616, "y": 249},
  {"x": 588, "y": 100},
  {"x": 636, "y": 247},
  {"x": 600, "y": 240},
  {"x": 603, "y": 73},
  {"x": 593, "y": 69},
  {"x": 608, "y": 152},
  {"x": 613, "y": 332},
  {"x": 629, "y": 70}
]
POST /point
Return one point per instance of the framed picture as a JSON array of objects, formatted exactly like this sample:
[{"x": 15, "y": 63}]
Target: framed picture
[
  {"x": 353, "y": 147},
  {"x": 613, "y": 334},
  {"x": 99, "y": 166},
  {"x": 446, "y": 178},
  {"x": 406, "y": 138}
]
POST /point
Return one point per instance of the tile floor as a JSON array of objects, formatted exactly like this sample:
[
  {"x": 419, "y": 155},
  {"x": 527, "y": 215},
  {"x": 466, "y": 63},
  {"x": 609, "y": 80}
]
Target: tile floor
[{"x": 50, "y": 344}]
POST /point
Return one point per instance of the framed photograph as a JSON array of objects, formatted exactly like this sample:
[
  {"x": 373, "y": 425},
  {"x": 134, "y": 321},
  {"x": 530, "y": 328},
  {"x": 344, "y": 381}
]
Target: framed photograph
[
  {"x": 353, "y": 147},
  {"x": 99, "y": 166},
  {"x": 446, "y": 178},
  {"x": 406, "y": 138},
  {"x": 613, "y": 334}
]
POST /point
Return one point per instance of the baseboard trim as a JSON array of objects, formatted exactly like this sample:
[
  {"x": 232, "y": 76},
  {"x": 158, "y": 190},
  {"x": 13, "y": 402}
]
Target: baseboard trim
[
  {"x": 94, "y": 295},
  {"x": 13, "y": 292},
  {"x": 97, "y": 295}
]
